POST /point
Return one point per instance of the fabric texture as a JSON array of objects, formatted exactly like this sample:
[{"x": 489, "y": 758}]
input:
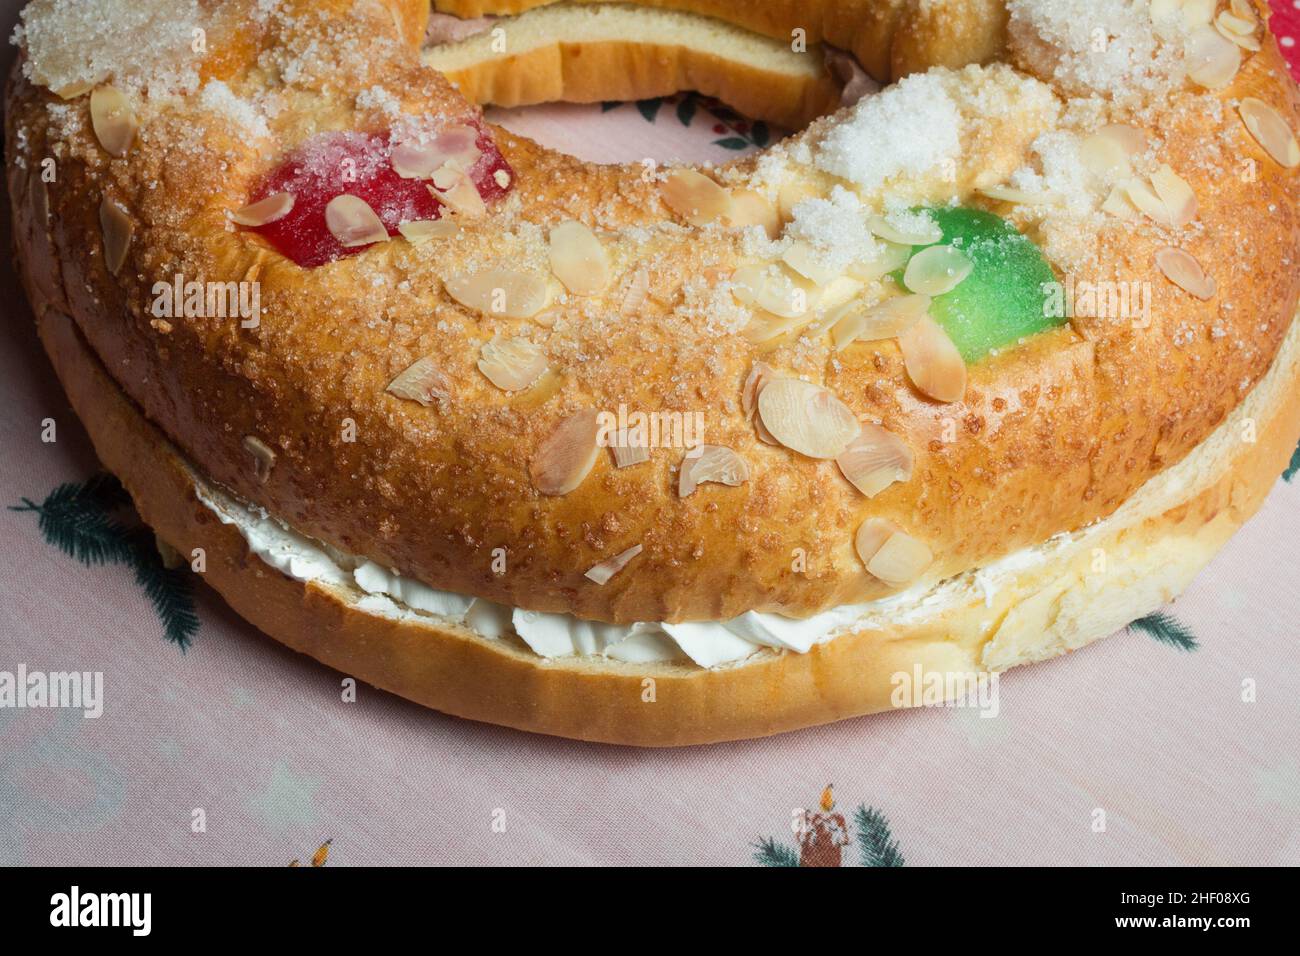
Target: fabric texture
[{"x": 1175, "y": 742}]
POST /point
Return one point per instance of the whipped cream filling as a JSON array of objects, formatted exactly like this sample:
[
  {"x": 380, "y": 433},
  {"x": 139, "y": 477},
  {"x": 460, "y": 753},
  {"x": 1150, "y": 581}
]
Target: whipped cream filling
[{"x": 387, "y": 592}]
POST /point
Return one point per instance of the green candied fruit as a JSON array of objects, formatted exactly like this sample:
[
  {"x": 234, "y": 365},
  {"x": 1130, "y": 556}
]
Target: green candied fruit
[{"x": 1003, "y": 299}]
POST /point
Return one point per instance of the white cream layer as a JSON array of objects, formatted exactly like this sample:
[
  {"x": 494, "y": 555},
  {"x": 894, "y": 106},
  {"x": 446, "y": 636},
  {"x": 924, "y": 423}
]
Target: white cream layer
[{"x": 706, "y": 643}]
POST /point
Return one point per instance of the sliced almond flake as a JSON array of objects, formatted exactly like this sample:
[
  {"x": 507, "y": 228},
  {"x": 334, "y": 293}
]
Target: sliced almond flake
[
  {"x": 459, "y": 146},
  {"x": 578, "y": 259},
  {"x": 79, "y": 88},
  {"x": 837, "y": 292},
  {"x": 1246, "y": 41},
  {"x": 933, "y": 363},
  {"x": 1211, "y": 60},
  {"x": 1268, "y": 128},
  {"x": 792, "y": 194},
  {"x": 547, "y": 387},
  {"x": 886, "y": 320},
  {"x": 550, "y": 314},
  {"x": 749, "y": 208},
  {"x": 602, "y": 572},
  {"x": 1243, "y": 9},
  {"x": 625, "y": 456},
  {"x": 870, "y": 536},
  {"x": 445, "y": 177},
  {"x": 352, "y": 222},
  {"x": 415, "y": 161},
  {"x": 890, "y": 554},
  {"x": 418, "y": 231},
  {"x": 629, "y": 447},
  {"x": 1230, "y": 24},
  {"x": 457, "y": 191},
  {"x": 268, "y": 210},
  {"x": 635, "y": 293},
  {"x": 117, "y": 228},
  {"x": 455, "y": 146},
  {"x": 1021, "y": 197},
  {"x": 716, "y": 463},
  {"x": 936, "y": 270},
  {"x": 1169, "y": 201},
  {"x": 892, "y": 256},
  {"x": 515, "y": 295},
  {"x": 1109, "y": 151},
  {"x": 770, "y": 333},
  {"x": 263, "y": 457},
  {"x": 875, "y": 460},
  {"x": 899, "y": 560},
  {"x": 565, "y": 458},
  {"x": 759, "y": 375},
  {"x": 806, "y": 418},
  {"x": 767, "y": 334},
  {"x": 774, "y": 290},
  {"x": 823, "y": 323},
  {"x": 881, "y": 227},
  {"x": 809, "y": 263},
  {"x": 113, "y": 120},
  {"x": 421, "y": 382},
  {"x": 1181, "y": 268},
  {"x": 1131, "y": 139},
  {"x": 1144, "y": 199},
  {"x": 803, "y": 259},
  {"x": 1176, "y": 195},
  {"x": 511, "y": 366},
  {"x": 1198, "y": 13},
  {"x": 695, "y": 197},
  {"x": 1119, "y": 206},
  {"x": 850, "y": 321},
  {"x": 171, "y": 558}
]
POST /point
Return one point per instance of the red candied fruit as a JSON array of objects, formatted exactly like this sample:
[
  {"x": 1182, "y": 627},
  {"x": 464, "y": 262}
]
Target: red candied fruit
[{"x": 331, "y": 164}]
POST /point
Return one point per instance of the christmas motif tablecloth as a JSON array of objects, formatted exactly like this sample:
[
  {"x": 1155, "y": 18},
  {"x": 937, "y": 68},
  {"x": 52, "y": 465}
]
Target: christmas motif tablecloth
[{"x": 1175, "y": 742}]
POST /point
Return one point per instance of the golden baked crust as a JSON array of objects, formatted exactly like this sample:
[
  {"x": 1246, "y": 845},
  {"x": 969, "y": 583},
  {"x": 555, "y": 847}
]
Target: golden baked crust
[
  {"x": 890, "y": 38},
  {"x": 549, "y": 57},
  {"x": 1055, "y": 606},
  {"x": 1053, "y": 435}
]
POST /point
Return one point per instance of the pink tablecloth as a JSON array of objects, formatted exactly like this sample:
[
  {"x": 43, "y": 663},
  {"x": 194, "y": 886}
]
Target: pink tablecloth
[{"x": 1174, "y": 742}]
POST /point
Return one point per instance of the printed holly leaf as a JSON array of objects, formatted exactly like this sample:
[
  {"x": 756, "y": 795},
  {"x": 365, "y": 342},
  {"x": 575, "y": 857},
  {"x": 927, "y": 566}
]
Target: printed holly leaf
[
  {"x": 1294, "y": 467},
  {"x": 169, "y": 591},
  {"x": 760, "y": 134},
  {"x": 875, "y": 842},
  {"x": 77, "y": 519},
  {"x": 650, "y": 108},
  {"x": 1167, "y": 630},
  {"x": 768, "y": 852},
  {"x": 686, "y": 110},
  {"x": 608, "y": 105},
  {"x": 105, "y": 490},
  {"x": 731, "y": 142}
]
